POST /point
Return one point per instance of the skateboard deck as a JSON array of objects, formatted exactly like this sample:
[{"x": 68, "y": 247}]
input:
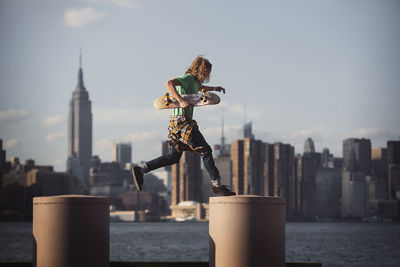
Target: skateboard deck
[{"x": 196, "y": 100}]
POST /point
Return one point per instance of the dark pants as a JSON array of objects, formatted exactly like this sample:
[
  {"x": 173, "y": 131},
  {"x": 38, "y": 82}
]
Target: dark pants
[{"x": 174, "y": 156}]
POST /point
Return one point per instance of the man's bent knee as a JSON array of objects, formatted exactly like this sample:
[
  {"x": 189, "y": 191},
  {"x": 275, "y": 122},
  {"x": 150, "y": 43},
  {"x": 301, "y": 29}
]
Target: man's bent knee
[{"x": 205, "y": 150}]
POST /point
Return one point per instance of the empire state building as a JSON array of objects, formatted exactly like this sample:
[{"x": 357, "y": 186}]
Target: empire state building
[{"x": 80, "y": 130}]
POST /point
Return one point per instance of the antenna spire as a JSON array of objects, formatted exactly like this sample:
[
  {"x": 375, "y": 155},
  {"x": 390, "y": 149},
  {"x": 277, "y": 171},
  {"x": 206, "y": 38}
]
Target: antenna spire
[
  {"x": 80, "y": 86},
  {"x": 80, "y": 57}
]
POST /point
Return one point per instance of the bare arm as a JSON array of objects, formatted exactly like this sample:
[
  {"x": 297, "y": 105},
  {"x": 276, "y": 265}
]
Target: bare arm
[
  {"x": 171, "y": 89},
  {"x": 212, "y": 88}
]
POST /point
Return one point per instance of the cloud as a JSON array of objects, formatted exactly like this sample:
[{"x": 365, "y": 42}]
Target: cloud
[
  {"x": 119, "y": 3},
  {"x": 54, "y": 136},
  {"x": 77, "y": 18},
  {"x": 12, "y": 115},
  {"x": 128, "y": 115},
  {"x": 51, "y": 121},
  {"x": 12, "y": 143}
]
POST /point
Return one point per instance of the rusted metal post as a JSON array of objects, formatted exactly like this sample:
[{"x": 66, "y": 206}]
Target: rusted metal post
[
  {"x": 71, "y": 231},
  {"x": 247, "y": 231}
]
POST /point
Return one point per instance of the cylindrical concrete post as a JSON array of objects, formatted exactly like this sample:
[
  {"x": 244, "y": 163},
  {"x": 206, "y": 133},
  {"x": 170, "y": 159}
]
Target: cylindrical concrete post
[
  {"x": 247, "y": 231},
  {"x": 71, "y": 231}
]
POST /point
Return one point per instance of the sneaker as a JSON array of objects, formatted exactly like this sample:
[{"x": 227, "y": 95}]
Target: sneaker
[
  {"x": 222, "y": 190},
  {"x": 137, "y": 173}
]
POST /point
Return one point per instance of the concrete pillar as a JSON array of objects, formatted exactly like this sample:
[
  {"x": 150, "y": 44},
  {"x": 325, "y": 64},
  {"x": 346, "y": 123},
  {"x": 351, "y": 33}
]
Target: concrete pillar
[
  {"x": 71, "y": 231},
  {"x": 247, "y": 231}
]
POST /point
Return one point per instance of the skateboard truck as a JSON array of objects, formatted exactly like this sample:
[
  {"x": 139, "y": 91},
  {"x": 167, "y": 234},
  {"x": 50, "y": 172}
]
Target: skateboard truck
[
  {"x": 167, "y": 99},
  {"x": 204, "y": 96}
]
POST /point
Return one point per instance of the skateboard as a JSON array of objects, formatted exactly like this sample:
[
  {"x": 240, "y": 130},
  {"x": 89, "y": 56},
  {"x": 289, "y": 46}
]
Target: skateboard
[{"x": 197, "y": 100}]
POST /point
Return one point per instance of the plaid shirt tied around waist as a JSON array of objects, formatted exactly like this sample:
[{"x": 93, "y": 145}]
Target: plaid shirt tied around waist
[{"x": 180, "y": 134}]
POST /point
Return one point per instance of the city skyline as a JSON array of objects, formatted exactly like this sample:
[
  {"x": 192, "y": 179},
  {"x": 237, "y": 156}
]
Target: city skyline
[{"x": 296, "y": 71}]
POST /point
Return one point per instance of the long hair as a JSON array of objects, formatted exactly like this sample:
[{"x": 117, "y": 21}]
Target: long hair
[{"x": 200, "y": 69}]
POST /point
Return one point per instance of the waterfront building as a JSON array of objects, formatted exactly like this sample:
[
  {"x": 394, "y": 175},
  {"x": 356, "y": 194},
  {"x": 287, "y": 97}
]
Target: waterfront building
[
  {"x": 80, "y": 130},
  {"x": 186, "y": 179},
  {"x": 246, "y": 131},
  {"x": 393, "y": 152},
  {"x": 327, "y": 159},
  {"x": 278, "y": 174},
  {"x": 376, "y": 188},
  {"x": 20, "y": 187},
  {"x": 74, "y": 167},
  {"x": 379, "y": 162},
  {"x": 190, "y": 210},
  {"x": 49, "y": 183},
  {"x": 394, "y": 181},
  {"x": 304, "y": 185},
  {"x": 309, "y": 146},
  {"x": 357, "y": 155},
  {"x": 328, "y": 192},
  {"x": 355, "y": 195},
  {"x": 122, "y": 154},
  {"x": 248, "y": 158},
  {"x": 14, "y": 161},
  {"x": 108, "y": 179},
  {"x": 338, "y": 163},
  {"x": 393, "y": 161},
  {"x": 237, "y": 166},
  {"x": 2, "y": 160}
]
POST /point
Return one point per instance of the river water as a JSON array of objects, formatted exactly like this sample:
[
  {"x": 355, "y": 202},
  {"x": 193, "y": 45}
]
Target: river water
[{"x": 332, "y": 243}]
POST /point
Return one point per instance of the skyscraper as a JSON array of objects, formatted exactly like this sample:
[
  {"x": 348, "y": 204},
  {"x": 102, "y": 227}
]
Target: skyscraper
[
  {"x": 122, "y": 154},
  {"x": 357, "y": 155},
  {"x": 248, "y": 158},
  {"x": 357, "y": 166},
  {"x": 2, "y": 161},
  {"x": 309, "y": 146},
  {"x": 80, "y": 130},
  {"x": 284, "y": 182},
  {"x": 2, "y": 156},
  {"x": 379, "y": 162},
  {"x": 237, "y": 166},
  {"x": 186, "y": 179},
  {"x": 246, "y": 131},
  {"x": 307, "y": 166},
  {"x": 393, "y": 152},
  {"x": 326, "y": 159},
  {"x": 393, "y": 160}
]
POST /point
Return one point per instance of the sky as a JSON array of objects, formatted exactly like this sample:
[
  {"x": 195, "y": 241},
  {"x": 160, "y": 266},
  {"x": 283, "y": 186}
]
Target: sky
[{"x": 328, "y": 70}]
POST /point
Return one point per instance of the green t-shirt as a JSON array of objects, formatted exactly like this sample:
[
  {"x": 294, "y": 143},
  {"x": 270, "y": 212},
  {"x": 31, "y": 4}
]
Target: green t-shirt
[{"x": 189, "y": 86}]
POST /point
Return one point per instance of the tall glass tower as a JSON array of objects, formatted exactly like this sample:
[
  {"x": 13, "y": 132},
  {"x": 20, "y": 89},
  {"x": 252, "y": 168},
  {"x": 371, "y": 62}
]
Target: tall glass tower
[{"x": 80, "y": 130}]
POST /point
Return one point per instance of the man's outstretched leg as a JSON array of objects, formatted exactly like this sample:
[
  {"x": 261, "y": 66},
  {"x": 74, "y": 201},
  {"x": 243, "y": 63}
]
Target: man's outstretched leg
[
  {"x": 217, "y": 187},
  {"x": 209, "y": 164},
  {"x": 138, "y": 172}
]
